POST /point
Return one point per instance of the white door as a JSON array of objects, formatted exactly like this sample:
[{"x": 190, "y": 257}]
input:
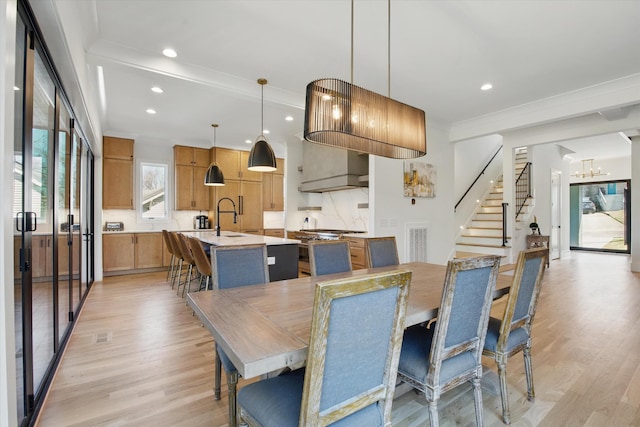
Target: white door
[{"x": 554, "y": 237}]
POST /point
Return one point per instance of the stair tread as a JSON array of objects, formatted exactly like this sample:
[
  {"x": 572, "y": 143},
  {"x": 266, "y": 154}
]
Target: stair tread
[
  {"x": 484, "y": 246},
  {"x": 483, "y": 236}
]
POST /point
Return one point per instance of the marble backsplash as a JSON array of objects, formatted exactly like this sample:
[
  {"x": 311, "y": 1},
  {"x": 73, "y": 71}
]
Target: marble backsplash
[{"x": 338, "y": 210}]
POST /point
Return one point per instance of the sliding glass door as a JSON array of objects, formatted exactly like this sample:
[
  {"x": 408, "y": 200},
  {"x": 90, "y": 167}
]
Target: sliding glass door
[
  {"x": 600, "y": 216},
  {"x": 52, "y": 200}
]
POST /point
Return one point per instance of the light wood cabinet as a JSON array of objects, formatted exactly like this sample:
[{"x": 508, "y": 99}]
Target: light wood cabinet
[
  {"x": 191, "y": 156},
  {"x": 42, "y": 255},
  {"x": 229, "y": 162},
  {"x": 233, "y": 164},
  {"x": 130, "y": 251},
  {"x": 118, "y": 252},
  {"x": 248, "y": 175},
  {"x": 148, "y": 250},
  {"x": 273, "y": 192},
  {"x": 274, "y": 232},
  {"x": 191, "y": 165},
  {"x": 247, "y": 195},
  {"x": 117, "y": 173},
  {"x": 358, "y": 259}
]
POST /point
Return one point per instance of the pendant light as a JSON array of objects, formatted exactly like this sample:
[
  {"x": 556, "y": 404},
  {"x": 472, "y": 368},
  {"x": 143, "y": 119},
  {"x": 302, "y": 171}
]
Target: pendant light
[
  {"x": 214, "y": 175},
  {"x": 261, "y": 157},
  {"x": 343, "y": 115}
]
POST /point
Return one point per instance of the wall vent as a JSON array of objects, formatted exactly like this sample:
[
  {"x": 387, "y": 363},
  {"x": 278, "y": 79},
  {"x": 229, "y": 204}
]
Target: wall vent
[{"x": 416, "y": 238}]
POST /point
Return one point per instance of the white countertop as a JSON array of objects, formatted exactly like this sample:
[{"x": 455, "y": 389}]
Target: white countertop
[{"x": 230, "y": 238}]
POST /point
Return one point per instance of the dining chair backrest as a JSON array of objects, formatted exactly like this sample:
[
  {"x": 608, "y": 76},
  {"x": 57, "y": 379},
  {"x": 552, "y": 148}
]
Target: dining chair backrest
[
  {"x": 523, "y": 294},
  {"x": 167, "y": 242},
  {"x": 512, "y": 333},
  {"x": 337, "y": 382},
  {"x": 184, "y": 248},
  {"x": 175, "y": 244},
  {"x": 242, "y": 265},
  {"x": 203, "y": 264},
  {"x": 461, "y": 327},
  {"x": 329, "y": 256},
  {"x": 381, "y": 251}
]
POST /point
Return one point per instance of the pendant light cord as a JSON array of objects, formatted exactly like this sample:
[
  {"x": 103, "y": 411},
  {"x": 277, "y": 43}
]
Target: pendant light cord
[
  {"x": 389, "y": 48},
  {"x": 388, "y": 45},
  {"x": 351, "y": 41}
]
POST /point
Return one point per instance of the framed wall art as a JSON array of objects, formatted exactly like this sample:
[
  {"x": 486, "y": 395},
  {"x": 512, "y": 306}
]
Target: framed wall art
[{"x": 419, "y": 179}]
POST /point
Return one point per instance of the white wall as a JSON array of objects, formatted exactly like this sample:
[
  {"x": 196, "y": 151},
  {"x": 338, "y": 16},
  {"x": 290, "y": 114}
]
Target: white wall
[
  {"x": 8, "y": 413},
  {"x": 391, "y": 212},
  {"x": 635, "y": 201},
  {"x": 545, "y": 159}
]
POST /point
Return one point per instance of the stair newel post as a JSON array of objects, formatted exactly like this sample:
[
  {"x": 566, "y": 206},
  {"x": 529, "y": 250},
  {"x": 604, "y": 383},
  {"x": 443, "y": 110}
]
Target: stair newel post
[{"x": 504, "y": 223}]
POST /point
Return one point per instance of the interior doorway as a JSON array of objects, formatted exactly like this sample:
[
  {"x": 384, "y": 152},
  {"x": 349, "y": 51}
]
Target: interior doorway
[{"x": 600, "y": 216}]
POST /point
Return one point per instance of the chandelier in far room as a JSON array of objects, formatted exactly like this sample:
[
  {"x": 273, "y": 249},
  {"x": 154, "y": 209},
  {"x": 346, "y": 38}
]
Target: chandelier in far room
[{"x": 588, "y": 171}]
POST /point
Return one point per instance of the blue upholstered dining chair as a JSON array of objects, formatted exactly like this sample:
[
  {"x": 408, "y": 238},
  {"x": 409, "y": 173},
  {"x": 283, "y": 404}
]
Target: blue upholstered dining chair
[
  {"x": 512, "y": 333},
  {"x": 449, "y": 353},
  {"x": 350, "y": 376},
  {"x": 329, "y": 256},
  {"x": 231, "y": 267},
  {"x": 381, "y": 251}
]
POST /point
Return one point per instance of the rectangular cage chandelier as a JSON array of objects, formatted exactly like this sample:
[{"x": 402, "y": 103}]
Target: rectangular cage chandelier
[{"x": 343, "y": 115}]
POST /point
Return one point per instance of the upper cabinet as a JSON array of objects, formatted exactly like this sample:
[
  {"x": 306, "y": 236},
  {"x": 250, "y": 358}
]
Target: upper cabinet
[
  {"x": 233, "y": 164},
  {"x": 191, "y": 165},
  {"x": 191, "y": 156},
  {"x": 273, "y": 188},
  {"x": 117, "y": 173}
]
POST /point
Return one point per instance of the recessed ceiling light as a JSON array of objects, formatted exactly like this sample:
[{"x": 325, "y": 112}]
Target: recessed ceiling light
[
  {"x": 151, "y": 111},
  {"x": 248, "y": 141},
  {"x": 266, "y": 131},
  {"x": 486, "y": 86},
  {"x": 170, "y": 53},
  {"x": 289, "y": 118},
  {"x": 157, "y": 89}
]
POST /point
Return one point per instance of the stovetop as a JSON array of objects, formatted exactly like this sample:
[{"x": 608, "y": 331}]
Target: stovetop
[{"x": 323, "y": 234}]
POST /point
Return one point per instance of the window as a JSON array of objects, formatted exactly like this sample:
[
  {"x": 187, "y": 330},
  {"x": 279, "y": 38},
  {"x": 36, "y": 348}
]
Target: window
[{"x": 153, "y": 192}]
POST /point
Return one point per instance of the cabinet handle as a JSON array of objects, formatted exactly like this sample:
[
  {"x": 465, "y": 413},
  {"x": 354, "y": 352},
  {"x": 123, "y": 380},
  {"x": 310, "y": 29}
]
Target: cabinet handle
[{"x": 241, "y": 203}]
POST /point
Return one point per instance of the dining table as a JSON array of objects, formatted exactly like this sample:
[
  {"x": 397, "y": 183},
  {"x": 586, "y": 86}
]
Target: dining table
[{"x": 265, "y": 328}]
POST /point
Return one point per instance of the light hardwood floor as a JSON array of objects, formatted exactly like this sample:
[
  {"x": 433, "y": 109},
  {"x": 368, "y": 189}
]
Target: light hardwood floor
[{"x": 139, "y": 358}]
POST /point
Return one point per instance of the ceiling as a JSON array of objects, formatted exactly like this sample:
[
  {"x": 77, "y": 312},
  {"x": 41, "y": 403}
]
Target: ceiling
[{"x": 441, "y": 52}]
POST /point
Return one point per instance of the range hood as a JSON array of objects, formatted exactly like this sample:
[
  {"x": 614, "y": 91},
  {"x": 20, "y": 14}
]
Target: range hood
[{"x": 326, "y": 168}]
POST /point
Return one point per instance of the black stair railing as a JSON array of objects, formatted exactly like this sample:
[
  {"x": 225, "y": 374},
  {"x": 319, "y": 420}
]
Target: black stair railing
[
  {"x": 523, "y": 188},
  {"x": 476, "y": 180}
]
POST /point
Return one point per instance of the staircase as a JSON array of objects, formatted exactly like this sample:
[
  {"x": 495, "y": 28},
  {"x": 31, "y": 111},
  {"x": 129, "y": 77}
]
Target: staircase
[{"x": 483, "y": 233}]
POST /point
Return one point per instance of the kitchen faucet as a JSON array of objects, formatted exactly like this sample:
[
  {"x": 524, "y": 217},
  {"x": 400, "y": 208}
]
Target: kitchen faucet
[{"x": 218, "y": 212}]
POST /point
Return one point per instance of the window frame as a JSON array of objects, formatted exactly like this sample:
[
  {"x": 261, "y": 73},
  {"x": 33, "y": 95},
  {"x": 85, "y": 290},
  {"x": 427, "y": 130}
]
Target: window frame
[{"x": 140, "y": 199}]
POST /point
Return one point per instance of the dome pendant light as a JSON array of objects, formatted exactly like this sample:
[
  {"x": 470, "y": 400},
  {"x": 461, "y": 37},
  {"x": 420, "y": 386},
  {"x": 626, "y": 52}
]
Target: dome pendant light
[
  {"x": 261, "y": 157},
  {"x": 214, "y": 175}
]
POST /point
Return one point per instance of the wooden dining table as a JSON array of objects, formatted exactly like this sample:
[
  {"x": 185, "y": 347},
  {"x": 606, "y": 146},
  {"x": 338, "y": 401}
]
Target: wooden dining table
[{"x": 265, "y": 328}]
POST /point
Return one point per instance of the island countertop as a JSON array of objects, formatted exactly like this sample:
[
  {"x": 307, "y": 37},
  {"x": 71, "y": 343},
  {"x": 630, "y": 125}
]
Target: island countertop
[{"x": 231, "y": 238}]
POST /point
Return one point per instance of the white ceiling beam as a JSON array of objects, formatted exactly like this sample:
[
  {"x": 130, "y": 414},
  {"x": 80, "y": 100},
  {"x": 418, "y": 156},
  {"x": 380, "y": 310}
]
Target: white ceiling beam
[
  {"x": 605, "y": 96},
  {"x": 103, "y": 51}
]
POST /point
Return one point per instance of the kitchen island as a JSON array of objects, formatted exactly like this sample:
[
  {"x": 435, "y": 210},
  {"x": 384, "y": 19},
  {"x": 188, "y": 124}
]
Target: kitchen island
[{"x": 282, "y": 253}]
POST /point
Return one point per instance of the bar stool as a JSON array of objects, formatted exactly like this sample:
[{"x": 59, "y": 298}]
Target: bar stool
[
  {"x": 203, "y": 263},
  {"x": 188, "y": 258}
]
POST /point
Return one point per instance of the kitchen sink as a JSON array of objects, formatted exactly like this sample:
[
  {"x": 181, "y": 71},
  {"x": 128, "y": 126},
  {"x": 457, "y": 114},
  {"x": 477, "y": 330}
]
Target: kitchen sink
[{"x": 233, "y": 235}]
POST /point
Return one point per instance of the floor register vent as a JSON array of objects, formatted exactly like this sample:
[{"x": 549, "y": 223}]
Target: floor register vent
[{"x": 416, "y": 238}]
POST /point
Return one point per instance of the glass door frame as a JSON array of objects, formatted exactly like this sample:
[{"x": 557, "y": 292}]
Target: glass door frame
[{"x": 578, "y": 210}]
